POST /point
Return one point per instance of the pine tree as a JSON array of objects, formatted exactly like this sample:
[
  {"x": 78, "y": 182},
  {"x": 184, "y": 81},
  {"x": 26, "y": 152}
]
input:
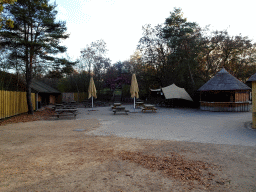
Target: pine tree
[
  {"x": 8, "y": 22},
  {"x": 183, "y": 39},
  {"x": 35, "y": 38}
]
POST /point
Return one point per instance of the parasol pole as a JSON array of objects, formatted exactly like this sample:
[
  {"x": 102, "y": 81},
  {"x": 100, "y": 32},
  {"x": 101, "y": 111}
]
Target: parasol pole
[
  {"x": 134, "y": 103},
  {"x": 92, "y": 103}
]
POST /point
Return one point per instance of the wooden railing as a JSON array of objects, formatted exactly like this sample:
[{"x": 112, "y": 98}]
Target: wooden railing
[
  {"x": 13, "y": 103},
  {"x": 225, "y": 106}
]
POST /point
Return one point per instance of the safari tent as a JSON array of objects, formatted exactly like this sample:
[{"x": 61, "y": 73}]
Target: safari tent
[
  {"x": 175, "y": 92},
  {"x": 173, "y": 95}
]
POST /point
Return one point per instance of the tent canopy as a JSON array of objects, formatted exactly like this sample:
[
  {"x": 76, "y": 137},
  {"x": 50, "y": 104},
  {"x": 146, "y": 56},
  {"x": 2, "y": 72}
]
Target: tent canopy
[
  {"x": 174, "y": 92},
  {"x": 155, "y": 89}
]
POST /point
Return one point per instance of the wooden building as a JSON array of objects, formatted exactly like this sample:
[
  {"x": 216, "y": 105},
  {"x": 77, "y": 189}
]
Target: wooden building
[
  {"x": 224, "y": 92},
  {"x": 253, "y": 80},
  {"x": 45, "y": 94}
]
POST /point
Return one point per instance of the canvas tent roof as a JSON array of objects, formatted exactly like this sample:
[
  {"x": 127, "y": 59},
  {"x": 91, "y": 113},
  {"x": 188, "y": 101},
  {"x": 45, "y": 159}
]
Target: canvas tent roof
[
  {"x": 223, "y": 81},
  {"x": 155, "y": 89},
  {"x": 174, "y": 92},
  {"x": 42, "y": 88},
  {"x": 252, "y": 78}
]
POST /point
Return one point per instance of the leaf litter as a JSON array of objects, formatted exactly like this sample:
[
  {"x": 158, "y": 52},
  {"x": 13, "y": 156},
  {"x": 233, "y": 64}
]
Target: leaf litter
[
  {"x": 44, "y": 114},
  {"x": 175, "y": 166}
]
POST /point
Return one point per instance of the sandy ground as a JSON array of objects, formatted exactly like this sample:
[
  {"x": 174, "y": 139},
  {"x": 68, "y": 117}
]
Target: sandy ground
[{"x": 59, "y": 156}]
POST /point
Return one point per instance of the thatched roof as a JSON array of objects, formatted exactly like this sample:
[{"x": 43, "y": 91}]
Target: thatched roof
[
  {"x": 223, "y": 81},
  {"x": 252, "y": 78}
]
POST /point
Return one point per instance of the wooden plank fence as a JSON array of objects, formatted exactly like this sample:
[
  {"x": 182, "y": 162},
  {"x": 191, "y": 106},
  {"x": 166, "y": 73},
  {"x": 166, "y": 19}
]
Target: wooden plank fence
[
  {"x": 14, "y": 103},
  {"x": 81, "y": 96}
]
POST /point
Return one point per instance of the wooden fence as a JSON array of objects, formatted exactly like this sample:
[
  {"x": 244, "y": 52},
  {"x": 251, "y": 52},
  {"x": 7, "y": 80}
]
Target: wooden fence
[
  {"x": 82, "y": 96},
  {"x": 14, "y": 103},
  {"x": 69, "y": 97},
  {"x": 79, "y": 97}
]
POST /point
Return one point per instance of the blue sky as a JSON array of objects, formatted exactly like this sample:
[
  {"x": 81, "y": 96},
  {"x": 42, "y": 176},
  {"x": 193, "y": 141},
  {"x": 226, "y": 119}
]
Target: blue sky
[{"x": 119, "y": 22}]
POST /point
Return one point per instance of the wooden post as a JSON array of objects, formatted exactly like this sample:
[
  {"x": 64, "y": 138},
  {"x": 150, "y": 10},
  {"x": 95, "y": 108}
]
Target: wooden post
[{"x": 254, "y": 104}]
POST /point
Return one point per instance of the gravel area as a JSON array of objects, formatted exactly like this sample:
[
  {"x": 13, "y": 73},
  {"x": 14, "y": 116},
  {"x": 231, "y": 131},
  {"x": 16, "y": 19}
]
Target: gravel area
[
  {"x": 176, "y": 124},
  {"x": 181, "y": 150}
]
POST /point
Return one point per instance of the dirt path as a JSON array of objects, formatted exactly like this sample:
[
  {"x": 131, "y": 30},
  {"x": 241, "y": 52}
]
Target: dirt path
[{"x": 51, "y": 156}]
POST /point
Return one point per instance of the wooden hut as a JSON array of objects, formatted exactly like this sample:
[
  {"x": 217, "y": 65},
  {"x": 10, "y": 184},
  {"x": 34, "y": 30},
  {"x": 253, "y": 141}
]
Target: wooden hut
[
  {"x": 253, "y": 80},
  {"x": 45, "y": 94},
  {"x": 224, "y": 92}
]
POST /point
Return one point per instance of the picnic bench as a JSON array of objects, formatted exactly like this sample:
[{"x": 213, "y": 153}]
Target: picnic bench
[
  {"x": 116, "y": 105},
  {"x": 61, "y": 106},
  {"x": 139, "y": 104},
  {"x": 119, "y": 109},
  {"x": 66, "y": 112},
  {"x": 148, "y": 107}
]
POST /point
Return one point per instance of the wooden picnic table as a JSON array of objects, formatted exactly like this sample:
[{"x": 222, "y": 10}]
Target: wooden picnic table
[
  {"x": 116, "y": 105},
  {"x": 61, "y": 106},
  {"x": 57, "y": 106},
  {"x": 139, "y": 103},
  {"x": 149, "y": 107},
  {"x": 65, "y": 112},
  {"x": 69, "y": 107},
  {"x": 118, "y": 109}
]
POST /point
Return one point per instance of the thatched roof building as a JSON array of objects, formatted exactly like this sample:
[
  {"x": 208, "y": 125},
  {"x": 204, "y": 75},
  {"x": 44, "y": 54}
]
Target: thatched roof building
[
  {"x": 252, "y": 78},
  {"x": 224, "y": 92}
]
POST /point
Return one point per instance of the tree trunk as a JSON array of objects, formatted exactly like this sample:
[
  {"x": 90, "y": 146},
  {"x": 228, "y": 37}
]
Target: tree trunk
[
  {"x": 29, "y": 75},
  {"x": 29, "y": 100},
  {"x": 191, "y": 76},
  {"x": 28, "y": 81}
]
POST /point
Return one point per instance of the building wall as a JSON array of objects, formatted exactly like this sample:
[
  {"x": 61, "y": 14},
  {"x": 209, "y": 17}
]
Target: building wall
[
  {"x": 242, "y": 96},
  {"x": 39, "y": 98},
  {"x": 52, "y": 99},
  {"x": 254, "y": 104},
  {"x": 46, "y": 98}
]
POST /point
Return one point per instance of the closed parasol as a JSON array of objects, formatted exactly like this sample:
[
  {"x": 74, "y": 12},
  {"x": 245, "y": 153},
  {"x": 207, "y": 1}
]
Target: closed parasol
[
  {"x": 92, "y": 90},
  {"x": 134, "y": 90}
]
